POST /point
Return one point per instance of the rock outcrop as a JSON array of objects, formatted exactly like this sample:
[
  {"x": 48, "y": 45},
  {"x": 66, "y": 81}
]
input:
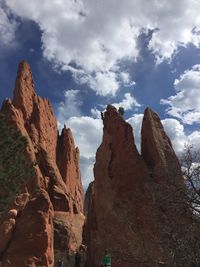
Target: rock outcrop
[
  {"x": 173, "y": 217},
  {"x": 68, "y": 159},
  {"x": 31, "y": 243},
  {"x": 157, "y": 151},
  {"x": 119, "y": 217},
  {"x": 55, "y": 164},
  {"x": 136, "y": 208}
]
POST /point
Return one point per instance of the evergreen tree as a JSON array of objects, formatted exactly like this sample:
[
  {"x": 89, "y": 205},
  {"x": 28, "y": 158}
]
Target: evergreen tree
[
  {"x": 14, "y": 167},
  {"x": 121, "y": 111}
]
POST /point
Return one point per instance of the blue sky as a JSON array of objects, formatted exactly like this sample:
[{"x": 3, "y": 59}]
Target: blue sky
[{"x": 87, "y": 54}]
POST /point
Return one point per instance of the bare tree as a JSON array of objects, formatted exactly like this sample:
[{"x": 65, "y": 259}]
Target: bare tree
[{"x": 190, "y": 161}]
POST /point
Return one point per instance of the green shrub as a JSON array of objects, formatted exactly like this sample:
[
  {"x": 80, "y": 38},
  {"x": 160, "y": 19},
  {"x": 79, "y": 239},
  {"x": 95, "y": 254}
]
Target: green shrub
[
  {"x": 14, "y": 167},
  {"x": 121, "y": 111}
]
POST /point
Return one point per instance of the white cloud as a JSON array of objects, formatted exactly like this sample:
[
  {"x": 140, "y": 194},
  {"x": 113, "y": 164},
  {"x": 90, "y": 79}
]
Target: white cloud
[
  {"x": 7, "y": 27},
  {"x": 175, "y": 23},
  {"x": 194, "y": 138},
  {"x": 87, "y": 165},
  {"x": 96, "y": 114},
  {"x": 103, "y": 83},
  {"x": 176, "y": 132},
  {"x": 185, "y": 104},
  {"x": 91, "y": 38},
  {"x": 87, "y": 133},
  {"x": 70, "y": 107},
  {"x": 136, "y": 122},
  {"x": 129, "y": 102},
  {"x": 126, "y": 79}
]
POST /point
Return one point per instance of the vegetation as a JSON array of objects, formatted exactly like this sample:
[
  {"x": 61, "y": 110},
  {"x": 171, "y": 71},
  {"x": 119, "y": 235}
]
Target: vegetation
[
  {"x": 121, "y": 111},
  {"x": 190, "y": 162},
  {"x": 14, "y": 168}
]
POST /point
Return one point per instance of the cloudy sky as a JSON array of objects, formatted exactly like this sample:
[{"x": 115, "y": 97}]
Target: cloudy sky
[{"x": 85, "y": 54}]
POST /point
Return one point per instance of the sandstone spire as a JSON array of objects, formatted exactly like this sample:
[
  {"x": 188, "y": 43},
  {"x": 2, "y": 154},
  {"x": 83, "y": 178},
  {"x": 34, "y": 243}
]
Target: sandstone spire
[
  {"x": 137, "y": 206},
  {"x": 157, "y": 150},
  {"x": 61, "y": 184},
  {"x": 121, "y": 202},
  {"x": 24, "y": 90},
  {"x": 68, "y": 164}
]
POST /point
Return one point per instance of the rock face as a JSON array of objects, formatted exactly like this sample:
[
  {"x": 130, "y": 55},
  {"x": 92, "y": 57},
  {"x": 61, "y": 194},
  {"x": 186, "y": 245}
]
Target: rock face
[
  {"x": 55, "y": 161},
  {"x": 32, "y": 240},
  {"x": 119, "y": 217},
  {"x": 157, "y": 150},
  {"x": 68, "y": 163},
  {"x": 136, "y": 208},
  {"x": 172, "y": 215}
]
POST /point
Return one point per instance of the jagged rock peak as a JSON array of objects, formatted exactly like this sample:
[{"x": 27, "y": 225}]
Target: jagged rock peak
[
  {"x": 156, "y": 147},
  {"x": 65, "y": 147},
  {"x": 24, "y": 91},
  {"x": 67, "y": 135},
  {"x": 33, "y": 117},
  {"x": 121, "y": 175},
  {"x": 155, "y": 141},
  {"x": 110, "y": 114},
  {"x": 117, "y": 131},
  {"x": 68, "y": 164}
]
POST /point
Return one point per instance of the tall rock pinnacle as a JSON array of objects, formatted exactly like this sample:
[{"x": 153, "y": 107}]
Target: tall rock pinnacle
[
  {"x": 68, "y": 164},
  {"x": 137, "y": 207},
  {"x": 57, "y": 187},
  {"x": 157, "y": 150},
  {"x": 172, "y": 211},
  {"x": 24, "y": 90},
  {"x": 122, "y": 205}
]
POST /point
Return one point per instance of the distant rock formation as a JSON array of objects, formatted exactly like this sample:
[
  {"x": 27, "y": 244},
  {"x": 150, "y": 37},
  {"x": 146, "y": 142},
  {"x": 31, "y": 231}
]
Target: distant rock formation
[
  {"x": 68, "y": 159},
  {"x": 55, "y": 193},
  {"x": 136, "y": 207}
]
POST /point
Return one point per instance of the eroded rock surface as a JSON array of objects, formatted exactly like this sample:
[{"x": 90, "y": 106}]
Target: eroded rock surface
[
  {"x": 136, "y": 208},
  {"x": 55, "y": 164},
  {"x": 31, "y": 243},
  {"x": 119, "y": 216}
]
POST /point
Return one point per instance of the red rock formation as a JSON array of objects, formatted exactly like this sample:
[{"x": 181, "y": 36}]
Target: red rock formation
[
  {"x": 39, "y": 120},
  {"x": 157, "y": 150},
  {"x": 33, "y": 117},
  {"x": 120, "y": 218},
  {"x": 32, "y": 240},
  {"x": 172, "y": 212},
  {"x": 90, "y": 229},
  {"x": 24, "y": 91},
  {"x": 137, "y": 207},
  {"x": 68, "y": 164}
]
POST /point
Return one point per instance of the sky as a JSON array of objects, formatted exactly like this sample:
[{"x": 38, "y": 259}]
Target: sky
[{"x": 86, "y": 54}]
